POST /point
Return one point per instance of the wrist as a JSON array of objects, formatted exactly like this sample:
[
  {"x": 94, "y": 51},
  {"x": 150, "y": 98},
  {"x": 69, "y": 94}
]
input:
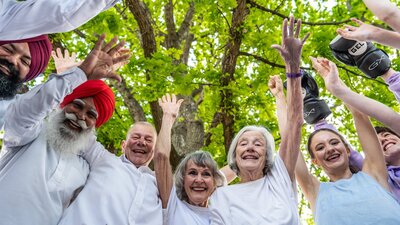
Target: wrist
[{"x": 292, "y": 68}]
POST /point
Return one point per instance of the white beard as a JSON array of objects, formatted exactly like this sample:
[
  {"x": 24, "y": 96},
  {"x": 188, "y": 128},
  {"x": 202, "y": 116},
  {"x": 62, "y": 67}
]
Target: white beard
[{"x": 63, "y": 139}]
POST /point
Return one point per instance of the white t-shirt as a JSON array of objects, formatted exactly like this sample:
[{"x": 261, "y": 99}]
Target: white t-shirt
[
  {"x": 180, "y": 212},
  {"x": 269, "y": 200}
]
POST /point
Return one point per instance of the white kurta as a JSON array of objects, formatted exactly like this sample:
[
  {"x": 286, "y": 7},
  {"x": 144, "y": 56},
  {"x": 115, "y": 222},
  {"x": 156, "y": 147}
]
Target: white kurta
[
  {"x": 179, "y": 212},
  {"x": 24, "y": 19},
  {"x": 4, "y": 103},
  {"x": 116, "y": 193},
  {"x": 36, "y": 181},
  {"x": 271, "y": 200}
]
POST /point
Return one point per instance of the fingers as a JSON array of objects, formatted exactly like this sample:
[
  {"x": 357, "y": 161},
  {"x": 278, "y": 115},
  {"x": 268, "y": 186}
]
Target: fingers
[
  {"x": 298, "y": 26},
  {"x": 305, "y": 38},
  {"x": 59, "y": 54},
  {"x": 99, "y": 43},
  {"x": 359, "y": 22},
  {"x": 121, "y": 60},
  {"x": 116, "y": 48},
  {"x": 114, "y": 76},
  {"x": 277, "y": 47},
  {"x": 284, "y": 30},
  {"x": 110, "y": 44},
  {"x": 291, "y": 26}
]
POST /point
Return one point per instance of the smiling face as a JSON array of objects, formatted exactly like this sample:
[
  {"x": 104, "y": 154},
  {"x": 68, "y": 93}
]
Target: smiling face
[
  {"x": 17, "y": 57},
  {"x": 198, "y": 184},
  {"x": 139, "y": 144},
  {"x": 329, "y": 152},
  {"x": 251, "y": 152},
  {"x": 391, "y": 147},
  {"x": 80, "y": 114}
]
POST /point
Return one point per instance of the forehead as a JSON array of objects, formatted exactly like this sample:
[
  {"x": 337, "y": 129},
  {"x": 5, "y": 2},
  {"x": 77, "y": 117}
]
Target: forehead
[
  {"x": 191, "y": 165},
  {"x": 324, "y": 135},
  {"x": 252, "y": 135},
  {"x": 21, "y": 48},
  {"x": 142, "y": 130},
  {"x": 383, "y": 133}
]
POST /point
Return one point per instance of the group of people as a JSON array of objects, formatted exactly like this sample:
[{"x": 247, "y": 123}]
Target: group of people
[{"x": 53, "y": 171}]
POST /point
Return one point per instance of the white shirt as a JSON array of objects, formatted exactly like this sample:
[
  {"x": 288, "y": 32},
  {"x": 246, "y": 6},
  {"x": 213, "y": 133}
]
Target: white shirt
[
  {"x": 180, "y": 212},
  {"x": 36, "y": 181},
  {"x": 30, "y": 18},
  {"x": 4, "y": 103},
  {"x": 116, "y": 193},
  {"x": 271, "y": 200}
]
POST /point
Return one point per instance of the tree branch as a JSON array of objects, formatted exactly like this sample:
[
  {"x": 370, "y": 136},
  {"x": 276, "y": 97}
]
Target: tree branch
[
  {"x": 186, "y": 22},
  {"x": 260, "y": 7},
  {"x": 171, "y": 40}
]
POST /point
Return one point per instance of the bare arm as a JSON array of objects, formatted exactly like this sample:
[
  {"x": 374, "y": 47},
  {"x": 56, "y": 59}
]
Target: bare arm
[
  {"x": 370, "y": 107},
  {"x": 228, "y": 173},
  {"x": 291, "y": 135},
  {"x": 308, "y": 183},
  {"x": 386, "y": 11},
  {"x": 162, "y": 165},
  {"x": 367, "y": 32},
  {"x": 374, "y": 162}
]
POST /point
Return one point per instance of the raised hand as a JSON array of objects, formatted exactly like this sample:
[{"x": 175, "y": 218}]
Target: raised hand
[
  {"x": 276, "y": 86},
  {"x": 363, "y": 32},
  {"x": 100, "y": 61},
  {"x": 291, "y": 47},
  {"x": 328, "y": 71},
  {"x": 170, "y": 105},
  {"x": 64, "y": 62}
]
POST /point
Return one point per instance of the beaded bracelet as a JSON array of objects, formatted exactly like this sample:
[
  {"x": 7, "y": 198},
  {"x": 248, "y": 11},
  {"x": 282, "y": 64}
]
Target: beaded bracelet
[{"x": 294, "y": 75}]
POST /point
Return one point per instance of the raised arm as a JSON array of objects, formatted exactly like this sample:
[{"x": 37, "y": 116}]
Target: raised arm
[
  {"x": 374, "y": 162},
  {"x": 308, "y": 183},
  {"x": 386, "y": 11},
  {"x": 370, "y": 107},
  {"x": 24, "y": 118},
  {"x": 170, "y": 106},
  {"x": 290, "y": 52},
  {"x": 25, "y": 19},
  {"x": 367, "y": 32}
]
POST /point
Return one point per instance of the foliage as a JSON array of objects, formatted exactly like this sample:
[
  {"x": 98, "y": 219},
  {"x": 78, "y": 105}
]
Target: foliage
[{"x": 148, "y": 78}]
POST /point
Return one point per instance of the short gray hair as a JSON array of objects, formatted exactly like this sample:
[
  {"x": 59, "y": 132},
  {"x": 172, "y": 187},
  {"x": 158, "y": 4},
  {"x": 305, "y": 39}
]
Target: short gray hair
[
  {"x": 200, "y": 158},
  {"x": 269, "y": 148}
]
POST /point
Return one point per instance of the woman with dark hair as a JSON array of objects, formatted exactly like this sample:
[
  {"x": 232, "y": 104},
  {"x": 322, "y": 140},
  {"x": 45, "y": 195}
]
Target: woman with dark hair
[
  {"x": 267, "y": 192},
  {"x": 196, "y": 177}
]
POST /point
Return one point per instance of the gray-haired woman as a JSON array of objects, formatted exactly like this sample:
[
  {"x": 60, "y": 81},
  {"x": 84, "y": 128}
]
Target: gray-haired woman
[
  {"x": 267, "y": 192},
  {"x": 196, "y": 177}
]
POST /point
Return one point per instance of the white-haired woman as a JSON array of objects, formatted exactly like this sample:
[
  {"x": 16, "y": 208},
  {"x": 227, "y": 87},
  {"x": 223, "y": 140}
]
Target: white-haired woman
[
  {"x": 266, "y": 193},
  {"x": 196, "y": 177}
]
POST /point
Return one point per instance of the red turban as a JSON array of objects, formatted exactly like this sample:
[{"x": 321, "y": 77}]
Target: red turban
[
  {"x": 40, "y": 49},
  {"x": 103, "y": 98}
]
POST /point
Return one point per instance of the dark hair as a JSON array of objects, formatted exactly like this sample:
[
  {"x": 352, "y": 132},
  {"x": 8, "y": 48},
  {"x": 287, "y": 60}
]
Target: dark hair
[
  {"x": 380, "y": 129},
  {"x": 352, "y": 168}
]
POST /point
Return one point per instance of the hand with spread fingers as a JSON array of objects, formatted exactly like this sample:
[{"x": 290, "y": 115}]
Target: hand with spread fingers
[
  {"x": 64, "y": 62},
  {"x": 103, "y": 62},
  {"x": 170, "y": 105},
  {"x": 291, "y": 47},
  {"x": 363, "y": 32},
  {"x": 276, "y": 86},
  {"x": 329, "y": 72}
]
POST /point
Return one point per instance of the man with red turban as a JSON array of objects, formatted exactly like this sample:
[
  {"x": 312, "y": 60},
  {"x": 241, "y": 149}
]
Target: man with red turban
[
  {"x": 45, "y": 161},
  {"x": 24, "y": 46}
]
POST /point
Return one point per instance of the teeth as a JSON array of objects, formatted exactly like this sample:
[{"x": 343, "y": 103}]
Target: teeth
[
  {"x": 75, "y": 124},
  {"x": 388, "y": 146},
  {"x": 250, "y": 157},
  {"x": 198, "y": 189},
  {"x": 332, "y": 157}
]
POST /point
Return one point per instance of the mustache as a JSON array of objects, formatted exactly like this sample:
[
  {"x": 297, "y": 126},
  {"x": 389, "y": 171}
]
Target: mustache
[
  {"x": 72, "y": 116},
  {"x": 14, "y": 72}
]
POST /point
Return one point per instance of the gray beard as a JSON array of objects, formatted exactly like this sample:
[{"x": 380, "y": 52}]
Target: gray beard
[{"x": 63, "y": 139}]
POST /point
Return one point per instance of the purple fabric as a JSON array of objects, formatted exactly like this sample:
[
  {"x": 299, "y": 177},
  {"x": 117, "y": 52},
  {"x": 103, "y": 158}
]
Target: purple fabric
[
  {"x": 394, "y": 180},
  {"x": 394, "y": 85},
  {"x": 356, "y": 158}
]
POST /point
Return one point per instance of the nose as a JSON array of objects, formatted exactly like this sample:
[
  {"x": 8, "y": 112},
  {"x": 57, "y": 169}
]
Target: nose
[
  {"x": 80, "y": 115},
  {"x": 198, "y": 178},
  {"x": 142, "y": 142},
  {"x": 13, "y": 59}
]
